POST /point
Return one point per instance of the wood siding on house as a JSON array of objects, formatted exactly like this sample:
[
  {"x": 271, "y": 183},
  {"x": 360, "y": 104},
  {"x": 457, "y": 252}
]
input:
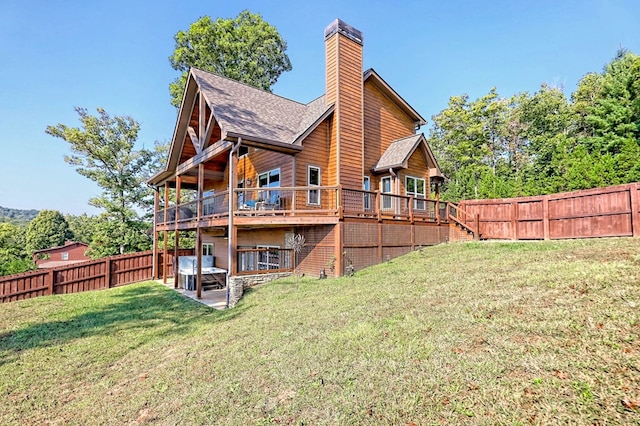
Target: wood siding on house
[
  {"x": 75, "y": 252},
  {"x": 415, "y": 168},
  {"x": 384, "y": 122},
  {"x": 344, "y": 87}
]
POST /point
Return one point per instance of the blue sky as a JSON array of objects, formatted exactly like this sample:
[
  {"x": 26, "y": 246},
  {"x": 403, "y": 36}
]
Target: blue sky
[{"x": 56, "y": 55}]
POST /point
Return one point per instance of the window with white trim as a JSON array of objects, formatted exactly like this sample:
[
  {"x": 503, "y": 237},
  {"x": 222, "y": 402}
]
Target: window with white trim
[
  {"x": 207, "y": 249},
  {"x": 385, "y": 188},
  {"x": 366, "y": 185},
  {"x": 416, "y": 188},
  {"x": 313, "y": 179},
  {"x": 65, "y": 256}
]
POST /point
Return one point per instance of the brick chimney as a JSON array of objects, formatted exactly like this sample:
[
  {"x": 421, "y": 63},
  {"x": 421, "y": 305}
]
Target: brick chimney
[{"x": 343, "y": 49}]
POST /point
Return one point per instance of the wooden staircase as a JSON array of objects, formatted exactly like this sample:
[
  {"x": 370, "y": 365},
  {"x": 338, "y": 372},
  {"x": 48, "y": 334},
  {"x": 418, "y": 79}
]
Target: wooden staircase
[{"x": 464, "y": 221}]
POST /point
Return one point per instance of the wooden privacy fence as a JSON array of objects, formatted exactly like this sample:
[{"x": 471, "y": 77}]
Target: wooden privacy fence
[
  {"x": 96, "y": 274},
  {"x": 600, "y": 212}
]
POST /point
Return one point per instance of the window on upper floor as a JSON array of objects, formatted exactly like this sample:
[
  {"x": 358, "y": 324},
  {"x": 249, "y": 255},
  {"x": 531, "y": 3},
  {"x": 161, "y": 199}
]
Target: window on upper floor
[{"x": 313, "y": 179}]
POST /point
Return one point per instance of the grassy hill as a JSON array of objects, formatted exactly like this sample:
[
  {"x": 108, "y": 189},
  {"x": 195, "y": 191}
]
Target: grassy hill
[{"x": 475, "y": 333}]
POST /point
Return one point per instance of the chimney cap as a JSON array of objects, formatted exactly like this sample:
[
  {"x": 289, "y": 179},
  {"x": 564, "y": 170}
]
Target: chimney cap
[{"x": 339, "y": 26}]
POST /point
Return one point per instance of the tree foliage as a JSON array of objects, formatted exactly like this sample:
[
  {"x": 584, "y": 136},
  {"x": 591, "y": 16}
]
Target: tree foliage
[
  {"x": 48, "y": 229},
  {"x": 542, "y": 143},
  {"x": 103, "y": 151},
  {"x": 247, "y": 49},
  {"x": 14, "y": 257}
]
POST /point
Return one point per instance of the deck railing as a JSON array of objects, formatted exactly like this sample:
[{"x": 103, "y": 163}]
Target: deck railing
[
  {"x": 309, "y": 201},
  {"x": 264, "y": 260},
  {"x": 294, "y": 201}
]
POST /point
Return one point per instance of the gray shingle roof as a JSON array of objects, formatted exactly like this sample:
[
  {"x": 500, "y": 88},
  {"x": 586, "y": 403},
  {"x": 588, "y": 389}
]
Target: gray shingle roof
[
  {"x": 243, "y": 110},
  {"x": 398, "y": 153}
]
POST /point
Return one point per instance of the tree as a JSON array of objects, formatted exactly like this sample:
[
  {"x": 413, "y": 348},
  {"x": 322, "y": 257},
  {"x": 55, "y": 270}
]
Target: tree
[
  {"x": 103, "y": 151},
  {"x": 247, "y": 49},
  {"x": 48, "y": 229},
  {"x": 83, "y": 227},
  {"x": 13, "y": 255}
]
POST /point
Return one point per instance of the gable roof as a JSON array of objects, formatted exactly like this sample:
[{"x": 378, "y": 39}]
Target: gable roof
[
  {"x": 400, "y": 150},
  {"x": 65, "y": 245},
  {"x": 245, "y": 111},
  {"x": 375, "y": 78}
]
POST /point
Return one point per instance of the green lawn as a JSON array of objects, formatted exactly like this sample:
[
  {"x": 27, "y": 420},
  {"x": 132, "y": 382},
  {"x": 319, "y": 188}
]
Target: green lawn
[{"x": 475, "y": 333}]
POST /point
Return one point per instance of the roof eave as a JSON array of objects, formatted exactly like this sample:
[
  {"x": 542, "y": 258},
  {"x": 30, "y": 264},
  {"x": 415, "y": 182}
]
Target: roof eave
[{"x": 258, "y": 142}]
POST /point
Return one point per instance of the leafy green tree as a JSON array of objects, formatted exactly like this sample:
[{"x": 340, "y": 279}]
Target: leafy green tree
[
  {"x": 48, "y": 229},
  {"x": 103, "y": 151},
  {"x": 110, "y": 236},
  {"x": 608, "y": 105},
  {"x": 247, "y": 49},
  {"x": 13, "y": 254},
  {"x": 83, "y": 226}
]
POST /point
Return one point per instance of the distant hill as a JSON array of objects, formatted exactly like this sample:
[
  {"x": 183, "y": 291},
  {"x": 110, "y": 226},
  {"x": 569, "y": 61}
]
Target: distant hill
[{"x": 16, "y": 215}]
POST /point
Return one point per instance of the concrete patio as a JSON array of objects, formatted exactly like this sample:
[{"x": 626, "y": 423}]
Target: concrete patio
[{"x": 216, "y": 299}]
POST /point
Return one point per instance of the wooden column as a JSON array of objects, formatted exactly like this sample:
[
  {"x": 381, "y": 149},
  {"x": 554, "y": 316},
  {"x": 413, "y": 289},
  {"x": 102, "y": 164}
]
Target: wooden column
[
  {"x": 176, "y": 236},
  {"x": 338, "y": 248},
  {"x": 634, "y": 199},
  {"x": 411, "y": 209},
  {"x": 437, "y": 203},
  {"x": 199, "y": 262},
  {"x": 545, "y": 217},
  {"x": 200, "y": 190},
  {"x": 380, "y": 242},
  {"x": 156, "y": 207},
  {"x": 165, "y": 251},
  {"x": 199, "y": 231}
]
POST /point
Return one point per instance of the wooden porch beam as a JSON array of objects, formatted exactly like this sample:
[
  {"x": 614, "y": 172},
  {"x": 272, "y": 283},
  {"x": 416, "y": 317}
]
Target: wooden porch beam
[
  {"x": 202, "y": 113},
  {"x": 206, "y": 154},
  {"x": 194, "y": 139}
]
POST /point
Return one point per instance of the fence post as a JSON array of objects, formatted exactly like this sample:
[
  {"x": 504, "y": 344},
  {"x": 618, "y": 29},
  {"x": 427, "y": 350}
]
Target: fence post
[
  {"x": 635, "y": 210},
  {"x": 49, "y": 282},
  {"x": 107, "y": 265},
  {"x": 476, "y": 236},
  {"x": 514, "y": 220},
  {"x": 545, "y": 217}
]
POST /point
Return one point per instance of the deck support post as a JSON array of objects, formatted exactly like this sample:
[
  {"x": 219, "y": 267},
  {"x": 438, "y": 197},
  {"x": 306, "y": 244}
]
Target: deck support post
[
  {"x": 338, "y": 249},
  {"x": 165, "y": 251},
  {"x": 176, "y": 236},
  {"x": 635, "y": 209},
  {"x": 199, "y": 231},
  {"x": 156, "y": 205}
]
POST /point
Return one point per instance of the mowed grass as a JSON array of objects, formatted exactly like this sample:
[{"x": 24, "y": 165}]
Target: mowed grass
[{"x": 473, "y": 333}]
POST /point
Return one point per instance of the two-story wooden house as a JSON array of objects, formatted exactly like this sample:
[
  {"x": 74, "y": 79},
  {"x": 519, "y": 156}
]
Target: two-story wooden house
[{"x": 346, "y": 173}]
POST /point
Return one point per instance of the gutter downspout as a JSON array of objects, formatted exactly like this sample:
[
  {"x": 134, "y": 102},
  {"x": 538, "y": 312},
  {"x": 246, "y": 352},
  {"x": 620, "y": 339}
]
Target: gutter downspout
[{"x": 230, "y": 241}]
